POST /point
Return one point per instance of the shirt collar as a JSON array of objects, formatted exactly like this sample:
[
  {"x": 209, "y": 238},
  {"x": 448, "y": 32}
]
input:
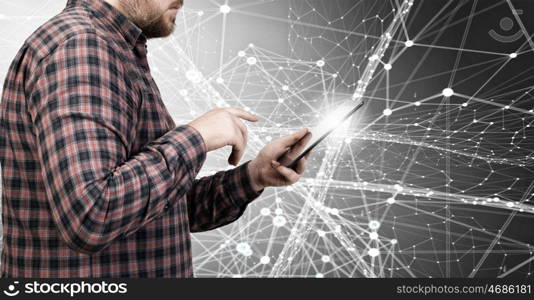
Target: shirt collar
[{"x": 111, "y": 16}]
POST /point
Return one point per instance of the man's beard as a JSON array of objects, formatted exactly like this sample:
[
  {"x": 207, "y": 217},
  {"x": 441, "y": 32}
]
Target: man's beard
[{"x": 147, "y": 16}]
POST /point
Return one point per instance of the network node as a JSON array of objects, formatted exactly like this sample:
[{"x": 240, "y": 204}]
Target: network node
[
  {"x": 513, "y": 55},
  {"x": 219, "y": 80},
  {"x": 373, "y": 235},
  {"x": 320, "y": 63},
  {"x": 374, "y": 225},
  {"x": 391, "y": 200},
  {"x": 241, "y": 53},
  {"x": 394, "y": 241},
  {"x": 387, "y": 67},
  {"x": 373, "y": 57},
  {"x": 252, "y": 61},
  {"x": 325, "y": 258},
  {"x": 279, "y": 221},
  {"x": 447, "y": 92},
  {"x": 194, "y": 76},
  {"x": 373, "y": 252},
  {"x": 265, "y": 211},
  {"x": 387, "y": 112},
  {"x": 225, "y": 9},
  {"x": 265, "y": 260},
  {"x": 408, "y": 43}
]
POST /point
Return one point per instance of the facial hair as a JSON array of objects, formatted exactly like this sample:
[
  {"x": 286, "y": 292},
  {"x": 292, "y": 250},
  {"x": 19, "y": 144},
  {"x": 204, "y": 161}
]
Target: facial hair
[{"x": 148, "y": 16}]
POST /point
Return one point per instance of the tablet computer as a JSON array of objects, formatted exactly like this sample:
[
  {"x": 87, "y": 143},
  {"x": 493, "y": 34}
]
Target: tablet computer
[{"x": 321, "y": 133}]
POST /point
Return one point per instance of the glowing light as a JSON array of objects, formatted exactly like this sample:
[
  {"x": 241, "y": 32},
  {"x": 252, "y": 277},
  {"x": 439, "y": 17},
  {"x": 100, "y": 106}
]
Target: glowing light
[
  {"x": 252, "y": 60},
  {"x": 387, "y": 67},
  {"x": 219, "y": 80},
  {"x": 374, "y": 224},
  {"x": 325, "y": 258},
  {"x": 513, "y": 55},
  {"x": 244, "y": 249},
  {"x": 373, "y": 235},
  {"x": 387, "y": 112},
  {"x": 225, "y": 9},
  {"x": 408, "y": 43},
  {"x": 265, "y": 211},
  {"x": 391, "y": 200},
  {"x": 194, "y": 76},
  {"x": 447, "y": 92},
  {"x": 279, "y": 221},
  {"x": 241, "y": 53},
  {"x": 373, "y": 252},
  {"x": 394, "y": 241},
  {"x": 265, "y": 260},
  {"x": 320, "y": 63}
]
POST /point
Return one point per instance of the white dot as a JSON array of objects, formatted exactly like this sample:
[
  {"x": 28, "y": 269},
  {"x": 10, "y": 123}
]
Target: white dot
[
  {"x": 319, "y": 275},
  {"x": 387, "y": 112},
  {"x": 464, "y": 104},
  {"x": 200, "y": 13},
  {"x": 252, "y": 60},
  {"x": 265, "y": 260},
  {"x": 244, "y": 249},
  {"x": 373, "y": 57},
  {"x": 219, "y": 80},
  {"x": 398, "y": 187},
  {"x": 447, "y": 92},
  {"x": 408, "y": 43},
  {"x": 325, "y": 258},
  {"x": 193, "y": 76},
  {"x": 387, "y": 67},
  {"x": 225, "y": 9},
  {"x": 394, "y": 241},
  {"x": 279, "y": 221},
  {"x": 391, "y": 200},
  {"x": 265, "y": 211},
  {"x": 374, "y": 224},
  {"x": 373, "y": 252},
  {"x": 320, "y": 63},
  {"x": 241, "y": 53},
  {"x": 278, "y": 211},
  {"x": 418, "y": 103},
  {"x": 285, "y": 88},
  {"x": 373, "y": 235},
  {"x": 513, "y": 55}
]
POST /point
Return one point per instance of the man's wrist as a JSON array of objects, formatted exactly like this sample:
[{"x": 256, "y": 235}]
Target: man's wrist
[{"x": 254, "y": 177}]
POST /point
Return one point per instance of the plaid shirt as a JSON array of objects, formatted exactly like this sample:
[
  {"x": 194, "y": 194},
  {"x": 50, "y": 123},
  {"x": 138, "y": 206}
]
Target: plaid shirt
[{"x": 98, "y": 181}]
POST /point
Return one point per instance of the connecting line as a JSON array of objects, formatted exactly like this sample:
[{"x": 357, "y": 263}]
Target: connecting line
[
  {"x": 501, "y": 232},
  {"x": 331, "y": 158}
]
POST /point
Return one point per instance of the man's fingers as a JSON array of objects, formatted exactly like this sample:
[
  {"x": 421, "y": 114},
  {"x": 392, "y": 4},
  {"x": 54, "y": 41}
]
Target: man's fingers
[
  {"x": 299, "y": 146},
  {"x": 301, "y": 165},
  {"x": 242, "y": 114},
  {"x": 238, "y": 148},
  {"x": 290, "y": 175}
]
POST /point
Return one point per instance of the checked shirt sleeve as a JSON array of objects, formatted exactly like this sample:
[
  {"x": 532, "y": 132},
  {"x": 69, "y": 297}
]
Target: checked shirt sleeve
[
  {"x": 84, "y": 123},
  {"x": 220, "y": 199}
]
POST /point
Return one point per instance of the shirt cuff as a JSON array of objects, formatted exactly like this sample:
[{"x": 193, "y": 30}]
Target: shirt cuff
[
  {"x": 187, "y": 151},
  {"x": 244, "y": 193}
]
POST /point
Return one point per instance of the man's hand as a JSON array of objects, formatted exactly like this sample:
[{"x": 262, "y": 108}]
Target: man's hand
[
  {"x": 268, "y": 169},
  {"x": 223, "y": 127}
]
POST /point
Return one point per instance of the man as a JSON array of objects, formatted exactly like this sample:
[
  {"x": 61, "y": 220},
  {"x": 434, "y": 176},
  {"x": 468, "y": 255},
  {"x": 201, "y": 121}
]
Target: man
[{"x": 98, "y": 181}]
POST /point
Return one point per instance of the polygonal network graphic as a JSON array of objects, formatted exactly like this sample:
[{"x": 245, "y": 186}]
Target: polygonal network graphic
[{"x": 432, "y": 178}]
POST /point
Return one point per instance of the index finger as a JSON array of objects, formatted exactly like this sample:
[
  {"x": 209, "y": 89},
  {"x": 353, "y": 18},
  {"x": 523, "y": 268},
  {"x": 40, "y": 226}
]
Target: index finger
[{"x": 242, "y": 114}]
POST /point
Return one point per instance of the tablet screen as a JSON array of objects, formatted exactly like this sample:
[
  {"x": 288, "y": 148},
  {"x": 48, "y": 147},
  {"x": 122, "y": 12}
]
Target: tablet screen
[{"x": 333, "y": 121}]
